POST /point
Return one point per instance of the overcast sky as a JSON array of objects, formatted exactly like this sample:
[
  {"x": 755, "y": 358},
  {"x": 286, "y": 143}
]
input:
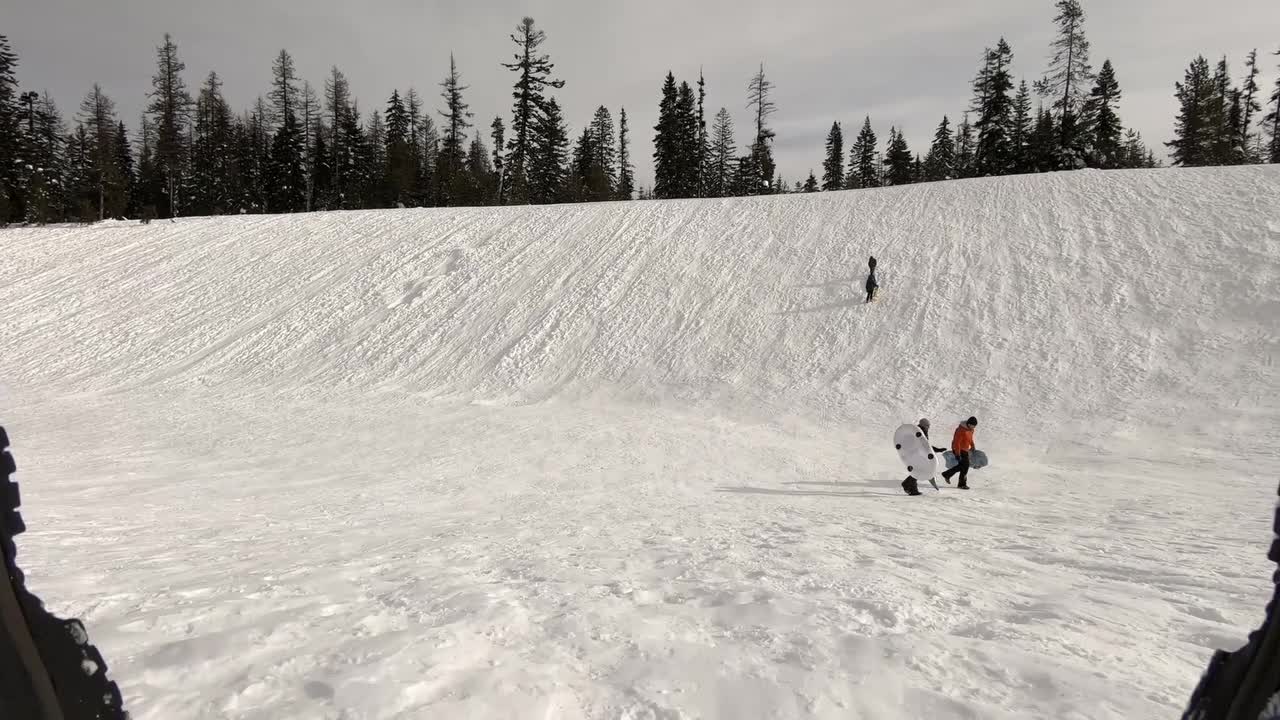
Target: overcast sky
[{"x": 904, "y": 62}]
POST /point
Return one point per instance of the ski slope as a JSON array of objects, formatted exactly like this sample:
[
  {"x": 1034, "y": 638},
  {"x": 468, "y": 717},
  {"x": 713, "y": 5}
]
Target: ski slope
[{"x": 634, "y": 460}]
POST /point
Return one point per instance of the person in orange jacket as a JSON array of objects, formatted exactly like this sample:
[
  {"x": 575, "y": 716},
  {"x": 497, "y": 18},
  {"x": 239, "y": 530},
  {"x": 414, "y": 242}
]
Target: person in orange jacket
[{"x": 962, "y": 445}]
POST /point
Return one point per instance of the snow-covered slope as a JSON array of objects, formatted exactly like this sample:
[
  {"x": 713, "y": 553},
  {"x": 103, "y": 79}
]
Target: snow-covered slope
[{"x": 632, "y": 460}]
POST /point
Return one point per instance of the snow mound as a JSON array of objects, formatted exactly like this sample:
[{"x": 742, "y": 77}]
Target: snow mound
[{"x": 1034, "y": 299}]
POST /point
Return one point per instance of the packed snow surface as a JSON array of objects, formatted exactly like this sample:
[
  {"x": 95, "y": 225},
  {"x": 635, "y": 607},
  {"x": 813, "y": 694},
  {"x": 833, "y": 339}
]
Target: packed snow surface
[{"x": 635, "y": 460}]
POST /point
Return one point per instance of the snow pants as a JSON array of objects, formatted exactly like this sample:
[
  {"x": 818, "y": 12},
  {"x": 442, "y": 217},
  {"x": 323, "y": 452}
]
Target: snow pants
[{"x": 962, "y": 469}]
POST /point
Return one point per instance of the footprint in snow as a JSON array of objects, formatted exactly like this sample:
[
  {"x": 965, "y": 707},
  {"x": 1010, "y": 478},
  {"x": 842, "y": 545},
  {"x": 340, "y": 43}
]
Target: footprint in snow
[{"x": 318, "y": 690}]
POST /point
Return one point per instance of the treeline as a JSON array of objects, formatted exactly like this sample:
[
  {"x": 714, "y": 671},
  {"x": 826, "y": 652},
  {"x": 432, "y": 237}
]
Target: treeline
[
  {"x": 298, "y": 148},
  {"x": 1002, "y": 134}
]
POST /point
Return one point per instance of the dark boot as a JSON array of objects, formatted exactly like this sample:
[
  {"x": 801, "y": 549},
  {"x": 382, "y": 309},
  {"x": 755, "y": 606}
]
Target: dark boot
[
  {"x": 909, "y": 485},
  {"x": 962, "y": 470}
]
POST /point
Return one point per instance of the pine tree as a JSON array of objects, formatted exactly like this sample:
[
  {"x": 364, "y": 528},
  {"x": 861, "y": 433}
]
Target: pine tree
[
  {"x": 1249, "y": 106},
  {"x": 688, "y": 152},
  {"x": 263, "y": 170},
  {"x": 376, "y": 193},
  {"x": 939, "y": 164},
  {"x": 416, "y": 195},
  {"x": 676, "y": 152},
  {"x": 722, "y": 155},
  {"x": 457, "y": 121},
  {"x": 534, "y": 73},
  {"x": 1224, "y": 117},
  {"x": 11, "y": 141},
  {"x": 549, "y": 143},
  {"x": 337, "y": 95},
  {"x": 82, "y": 190},
  {"x": 284, "y": 94},
  {"x": 1042, "y": 148},
  {"x": 287, "y": 179},
  {"x": 401, "y": 166},
  {"x": 1133, "y": 152},
  {"x": 810, "y": 185},
  {"x": 252, "y": 155},
  {"x": 626, "y": 178},
  {"x": 704, "y": 149},
  {"x": 602, "y": 177},
  {"x": 211, "y": 152},
  {"x": 246, "y": 171},
  {"x": 124, "y": 170},
  {"x": 1020, "y": 131},
  {"x": 45, "y": 142},
  {"x": 497, "y": 134},
  {"x": 479, "y": 171},
  {"x": 50, "y": 200},
  {"x": 833, "y": 167},
  {"x": 863, "y": 171},
  {"x": 23, "y": 166},
  {"x": 310, "y": 117},
  {"x": 1106, "y": 127},
  {"x": 150, "y": 189},
  {"x": 1272, "y": 123},
  {"x": 758, "y": 97},
  {"x": 428, "y": 179},
  {"x": 1067, "y": 80},
  {"x": 898, "y": 161},
  {"x": 576, "y": 189},
  {"x": 745, "y": 177},
  {"x": 170, "y": 111},
  {"x": 98, "y": 116},
  {"x": 666, "y": 144},
  {"x": 1194, "y": 127},
  {"x": 285, "y": 176},
  {"x": 964, "y": 152},
  {"x": 321, "y": 170},
  {"x": 993, "y": 153},
  {"x": 350, "y": 159}
]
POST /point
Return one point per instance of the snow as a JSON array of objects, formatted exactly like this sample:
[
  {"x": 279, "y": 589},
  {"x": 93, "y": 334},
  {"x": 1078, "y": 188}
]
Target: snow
[{"x": 634, "y": 460}]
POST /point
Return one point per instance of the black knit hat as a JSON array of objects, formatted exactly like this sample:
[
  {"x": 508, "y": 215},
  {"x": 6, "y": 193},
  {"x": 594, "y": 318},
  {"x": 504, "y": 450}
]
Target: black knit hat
[{"x": 971, "y": 422}]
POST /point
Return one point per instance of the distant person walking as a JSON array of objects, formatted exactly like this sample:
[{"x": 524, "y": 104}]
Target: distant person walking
[{"x": 872, "y": 285}]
